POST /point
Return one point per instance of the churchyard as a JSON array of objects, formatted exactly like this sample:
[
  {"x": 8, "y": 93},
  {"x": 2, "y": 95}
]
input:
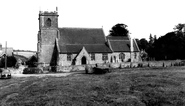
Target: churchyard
[{"x": 146, "y": 86}]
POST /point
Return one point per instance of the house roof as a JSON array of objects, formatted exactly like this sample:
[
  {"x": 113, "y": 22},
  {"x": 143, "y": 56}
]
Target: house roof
[
  {"x": 23, "y": 58},
  {"x": 121, "y": 44},
  {"x": 72, "y": 40},
  {"x": 9, "y": 51}
]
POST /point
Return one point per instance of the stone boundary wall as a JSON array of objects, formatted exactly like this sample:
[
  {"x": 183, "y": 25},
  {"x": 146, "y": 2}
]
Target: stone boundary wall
[{"x": 76, "y": 68}]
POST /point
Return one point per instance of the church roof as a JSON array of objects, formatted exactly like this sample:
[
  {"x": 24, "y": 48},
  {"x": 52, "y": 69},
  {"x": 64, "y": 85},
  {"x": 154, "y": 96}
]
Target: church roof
[
  {"x": 121, "y": 44},
  {"x": 72, "y": 40},
  {"x": 117, "y": 37}
]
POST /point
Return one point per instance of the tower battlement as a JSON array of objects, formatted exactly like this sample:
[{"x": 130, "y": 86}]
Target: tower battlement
[
  {"x": 48, "y": 12},
  {"x": 51, "y": 12}
]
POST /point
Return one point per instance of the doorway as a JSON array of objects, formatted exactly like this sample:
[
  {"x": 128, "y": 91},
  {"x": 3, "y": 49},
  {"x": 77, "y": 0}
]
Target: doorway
[{"x": 83, "y": 60}]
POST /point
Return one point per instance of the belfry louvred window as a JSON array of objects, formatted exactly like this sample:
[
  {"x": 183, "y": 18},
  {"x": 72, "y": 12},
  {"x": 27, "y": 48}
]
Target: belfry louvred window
[{"x": 48, "y": 22}]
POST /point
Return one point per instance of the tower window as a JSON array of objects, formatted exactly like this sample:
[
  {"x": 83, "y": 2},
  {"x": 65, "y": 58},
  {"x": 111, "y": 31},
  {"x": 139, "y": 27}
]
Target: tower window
[{"x": 48, "y": 22}]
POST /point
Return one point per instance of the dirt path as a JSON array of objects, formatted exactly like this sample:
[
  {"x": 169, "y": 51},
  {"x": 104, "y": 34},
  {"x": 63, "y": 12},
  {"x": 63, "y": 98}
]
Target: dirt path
[{"x": 41, "y": 75}]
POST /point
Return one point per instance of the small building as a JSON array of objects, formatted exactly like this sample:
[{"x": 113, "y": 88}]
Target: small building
[{"x": 8, "y": 51}]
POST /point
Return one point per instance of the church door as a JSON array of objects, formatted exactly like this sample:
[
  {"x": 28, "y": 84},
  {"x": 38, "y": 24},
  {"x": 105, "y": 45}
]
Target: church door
[{"x": 83, "y": 60}]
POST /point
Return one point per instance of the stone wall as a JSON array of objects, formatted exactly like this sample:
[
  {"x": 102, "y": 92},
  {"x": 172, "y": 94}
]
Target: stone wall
[
  {"x": 98, "y": 59},
  {"x": 146, "y": 64},
  {"x": 72, "y": 68},
  {"x": 43, "y": 16},
  {"x": 115, "y": 57},
  {"x": 47, "y": 43},
  {"x": 136, "y": 57},
  {"x": 48, "y": 36},
  {"x": 76, "y": 68},
  {"x": 48, "y": 32}
]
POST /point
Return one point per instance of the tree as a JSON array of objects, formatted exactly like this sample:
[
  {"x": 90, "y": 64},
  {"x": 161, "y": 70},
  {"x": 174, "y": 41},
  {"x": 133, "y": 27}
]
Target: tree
[
  {"x": 179, "y": 27},
  {"x": 144, "y": 55},
  {"x": 32, "y": 61},
  {"x": 119, "y": 30},
  {"x": 151, "y": 39},
  {"x": 11, "y": 61},
  {"x": 143, "y": 44},
  {"x": 151, "y": 49},
  {"x": 155, "y": 38},
  {"x": 170, "y": 46}
]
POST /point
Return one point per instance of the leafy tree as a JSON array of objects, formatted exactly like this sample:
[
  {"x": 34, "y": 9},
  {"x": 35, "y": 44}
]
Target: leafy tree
[
  {"x": 170, "y": 46},
  {"x": 144, "y": 55},
  {"x": 155, "y": 38},
  {"x": 11, "y": 61},
  {"x": 179, "y": 27},
  {"x": 119, "y": 30},
  {"x": 32, "y": 61},
  {"x": 151, "y": 47},
  {"x": 143, "y": 44},
  {"x": 151, "y": 39}
]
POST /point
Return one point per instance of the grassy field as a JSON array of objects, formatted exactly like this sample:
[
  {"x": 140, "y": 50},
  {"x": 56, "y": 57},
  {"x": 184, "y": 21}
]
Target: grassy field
[{"x": 122, "y": 87}]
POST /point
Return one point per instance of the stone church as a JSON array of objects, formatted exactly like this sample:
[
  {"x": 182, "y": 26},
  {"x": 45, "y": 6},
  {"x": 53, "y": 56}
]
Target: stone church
[{"x": 79, "y": 46}]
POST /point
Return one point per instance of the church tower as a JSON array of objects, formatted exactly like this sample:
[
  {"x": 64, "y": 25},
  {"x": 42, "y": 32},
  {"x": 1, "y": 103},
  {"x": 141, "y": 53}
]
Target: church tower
[{"x": 48, "y": 32}]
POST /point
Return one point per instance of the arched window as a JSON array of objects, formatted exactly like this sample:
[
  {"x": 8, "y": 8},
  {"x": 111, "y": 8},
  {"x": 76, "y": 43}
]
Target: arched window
[
  {"x": 92, "y": 56},
  {"x": 48, "y": 22},
  {"x": 122, "y": 57}
]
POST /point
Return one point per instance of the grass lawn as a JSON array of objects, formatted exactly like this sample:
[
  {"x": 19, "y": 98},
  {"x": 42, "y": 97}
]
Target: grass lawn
[{"x": 123, "y": 87}]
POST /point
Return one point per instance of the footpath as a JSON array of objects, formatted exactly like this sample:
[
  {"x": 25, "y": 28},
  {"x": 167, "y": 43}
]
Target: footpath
[{"x": 42, "y": 75}]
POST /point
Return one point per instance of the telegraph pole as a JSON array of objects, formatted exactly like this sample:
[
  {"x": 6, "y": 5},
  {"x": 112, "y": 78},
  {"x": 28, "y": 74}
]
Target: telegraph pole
[{"x": 6, "y": 55}]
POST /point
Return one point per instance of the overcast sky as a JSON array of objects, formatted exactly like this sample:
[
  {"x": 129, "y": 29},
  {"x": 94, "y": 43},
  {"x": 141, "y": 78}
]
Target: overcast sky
[{"x": 19, "y": 18}]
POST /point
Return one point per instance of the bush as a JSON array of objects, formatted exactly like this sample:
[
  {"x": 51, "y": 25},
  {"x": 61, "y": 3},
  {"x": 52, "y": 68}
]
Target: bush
[
  {"x": 129, "y": 60},
  {"x": 99, "y": 70},
  {"x": 33, "y": 70},
  {"x": 32, "y": 62},
  {"x": 11, "y": 61}
]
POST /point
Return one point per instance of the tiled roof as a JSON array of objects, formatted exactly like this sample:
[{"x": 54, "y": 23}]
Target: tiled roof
[
  {"x": 90, "y": 48},
  {"x": 72, "y": 40},
  {"x": 121, "y": 44},
  {"x": 117, "y": 37}
]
